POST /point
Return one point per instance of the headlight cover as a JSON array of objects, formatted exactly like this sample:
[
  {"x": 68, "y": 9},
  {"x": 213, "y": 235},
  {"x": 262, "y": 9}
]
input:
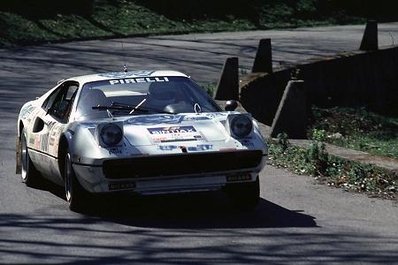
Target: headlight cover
[
  {"x": 241, "y": 125},
  {"x": 110, "y": 134}
]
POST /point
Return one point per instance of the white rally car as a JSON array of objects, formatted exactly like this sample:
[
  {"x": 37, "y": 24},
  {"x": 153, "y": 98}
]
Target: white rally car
[{"x": 144, "y": 132}]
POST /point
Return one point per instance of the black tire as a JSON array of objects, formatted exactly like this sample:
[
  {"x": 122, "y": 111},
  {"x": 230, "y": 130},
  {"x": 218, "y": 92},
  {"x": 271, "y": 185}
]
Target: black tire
[
  {"x": 76, "y": 196},
  {"x": 29, "y": 174},
  {"x": 245, "y": 196}
]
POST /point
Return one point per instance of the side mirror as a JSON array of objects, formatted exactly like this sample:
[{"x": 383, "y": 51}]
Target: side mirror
[{"x": 231, "y": 105}]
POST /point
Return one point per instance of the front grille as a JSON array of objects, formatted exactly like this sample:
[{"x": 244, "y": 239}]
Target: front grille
[{"x": 181, "y": 164}]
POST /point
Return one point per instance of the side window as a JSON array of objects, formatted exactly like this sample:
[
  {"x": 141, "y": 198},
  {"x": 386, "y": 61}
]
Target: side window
[
  {"x": 50, "y": 100},
  {"x": 59, "y": 104}
]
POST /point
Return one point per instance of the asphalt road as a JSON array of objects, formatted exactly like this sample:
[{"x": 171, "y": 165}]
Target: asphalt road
[{"x": 296, "y": 222}]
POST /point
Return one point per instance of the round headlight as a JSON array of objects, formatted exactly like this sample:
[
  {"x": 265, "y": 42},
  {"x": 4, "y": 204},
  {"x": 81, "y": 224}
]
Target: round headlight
[
  {"x": 241, "y": 126},
  {"x": 111, "y": 134}
]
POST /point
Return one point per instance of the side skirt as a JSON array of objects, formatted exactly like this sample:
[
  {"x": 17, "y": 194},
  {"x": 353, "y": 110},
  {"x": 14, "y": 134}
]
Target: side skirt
[{"x": 47, "y": 165}]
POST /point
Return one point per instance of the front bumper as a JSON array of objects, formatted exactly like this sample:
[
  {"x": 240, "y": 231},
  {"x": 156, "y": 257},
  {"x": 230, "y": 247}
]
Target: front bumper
[{"x": 178, "y": 173}]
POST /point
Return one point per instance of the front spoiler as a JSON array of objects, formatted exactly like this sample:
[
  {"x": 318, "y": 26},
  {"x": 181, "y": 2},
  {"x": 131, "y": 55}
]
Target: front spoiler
[{"x": 94, "y": 181}]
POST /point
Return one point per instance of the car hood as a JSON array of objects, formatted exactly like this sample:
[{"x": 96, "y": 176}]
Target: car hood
[
  {"x": 162, "y": 134},
  {"x": 172, "y": 128}
]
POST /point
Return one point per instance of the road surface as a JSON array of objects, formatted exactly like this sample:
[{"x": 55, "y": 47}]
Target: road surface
[{"x": 296, "y": 222}]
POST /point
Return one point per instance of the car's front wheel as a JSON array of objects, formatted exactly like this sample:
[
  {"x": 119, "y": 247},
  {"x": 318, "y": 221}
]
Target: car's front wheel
[
  {"x": 75, "y": 194},
  {"x": 29, "y": 173},
  {"x": 245, "y": 196}
]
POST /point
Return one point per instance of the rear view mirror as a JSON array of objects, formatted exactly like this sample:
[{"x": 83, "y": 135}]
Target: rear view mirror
[{"x": 231, "y": 105}]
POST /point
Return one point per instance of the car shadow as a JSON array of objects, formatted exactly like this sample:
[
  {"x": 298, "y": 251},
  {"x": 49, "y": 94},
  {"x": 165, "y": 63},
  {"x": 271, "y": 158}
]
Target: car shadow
[
  {"x": 40, "y": 183},
  {"x": 206, "y": 210},
  {"x": 190, "y": 210}
]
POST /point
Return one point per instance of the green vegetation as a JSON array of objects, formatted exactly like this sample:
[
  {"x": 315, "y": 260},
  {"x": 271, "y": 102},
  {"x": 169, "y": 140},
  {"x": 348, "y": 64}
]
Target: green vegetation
[
  {"x": 38, "y": 21},
  {"x": 209, "y": 87},
  {"x": 358, "y": 129},
  {"x": 334, "y": 171}
]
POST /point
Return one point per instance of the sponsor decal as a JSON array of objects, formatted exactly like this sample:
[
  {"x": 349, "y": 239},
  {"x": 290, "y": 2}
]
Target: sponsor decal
[
  {"x": 44, "y": 142},
  {"x": 37, "y": 141},
  {"x": 196, "y": 118},
  {"x": 138, "y": 80},
  {"x": 115, "y": 151},
  {"x": 239, "y": 178},
  {"x": 54, "y": 135},
  {"x": 174, "y": 134},
  {"x": 167, "y": 147},
  {"x": 204, "y": 116},
  {"x": 121, "y": 186},
  {"x": 196, "y": 148},
  {"x": 127, "y": 74},
  {"x": 156, "y": 119},
  {"x": 25, "y": 112},
  {"x": 172, "y": 130},
  {"x": 200, "y": 147}
]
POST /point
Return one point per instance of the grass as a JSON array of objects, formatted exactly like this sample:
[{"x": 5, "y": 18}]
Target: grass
[
  {"x": 120, "y": 18},
  {"x": 107, "y": 21},
  {"x": 331, "y": 170},
  {"x": 358, "y": 129}
]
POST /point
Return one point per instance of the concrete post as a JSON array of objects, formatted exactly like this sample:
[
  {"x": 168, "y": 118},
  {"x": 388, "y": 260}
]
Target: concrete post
[
  {"x": 228, "y": 84},
  {"x": 370, "y": 40},
  {"x": 263, "y": 60},
  {"x": 292, "y": 114}
]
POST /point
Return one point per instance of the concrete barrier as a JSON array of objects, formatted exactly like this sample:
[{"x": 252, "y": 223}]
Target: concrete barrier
[
  {"x": 228, "y": 84},
  {"x": 263, "y": 59},
  {"x": 354, "y": 79},
  {"x": 292, "y": 114},
  {"x": 370, "y": 41}
]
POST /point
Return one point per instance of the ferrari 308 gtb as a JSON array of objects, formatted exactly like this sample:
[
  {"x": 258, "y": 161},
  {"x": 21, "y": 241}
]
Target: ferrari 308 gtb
[{"x": 144, "y": 132}]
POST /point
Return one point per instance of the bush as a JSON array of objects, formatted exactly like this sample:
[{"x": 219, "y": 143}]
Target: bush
[{"x": 335, "y": 171}]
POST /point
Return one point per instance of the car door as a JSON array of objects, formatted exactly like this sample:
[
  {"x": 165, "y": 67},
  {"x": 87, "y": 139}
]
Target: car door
[{"x": 50, "y": 124}]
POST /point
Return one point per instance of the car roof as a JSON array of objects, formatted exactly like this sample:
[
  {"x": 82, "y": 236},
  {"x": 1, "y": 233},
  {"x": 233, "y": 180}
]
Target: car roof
[{"x": 129, "y": 74}]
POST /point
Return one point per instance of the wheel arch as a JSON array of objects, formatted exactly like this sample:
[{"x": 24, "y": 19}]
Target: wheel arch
[
  {"x": 18, "y": 163},
  {"x": 63, "y": 146}
]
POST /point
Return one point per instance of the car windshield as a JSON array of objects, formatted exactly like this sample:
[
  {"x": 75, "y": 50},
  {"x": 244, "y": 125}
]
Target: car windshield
[{"x": 144, "y": 95}]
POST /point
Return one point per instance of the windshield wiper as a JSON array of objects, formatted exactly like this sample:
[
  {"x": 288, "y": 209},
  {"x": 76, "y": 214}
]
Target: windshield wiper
[
  {"x": 119, "y": 106},
  {"x": 138, "y": 105},
  {"x": 132, "y": 109}
]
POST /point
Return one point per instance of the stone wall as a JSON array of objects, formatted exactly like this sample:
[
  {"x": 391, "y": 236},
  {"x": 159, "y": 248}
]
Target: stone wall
[{"x": 355, "y": 79}]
